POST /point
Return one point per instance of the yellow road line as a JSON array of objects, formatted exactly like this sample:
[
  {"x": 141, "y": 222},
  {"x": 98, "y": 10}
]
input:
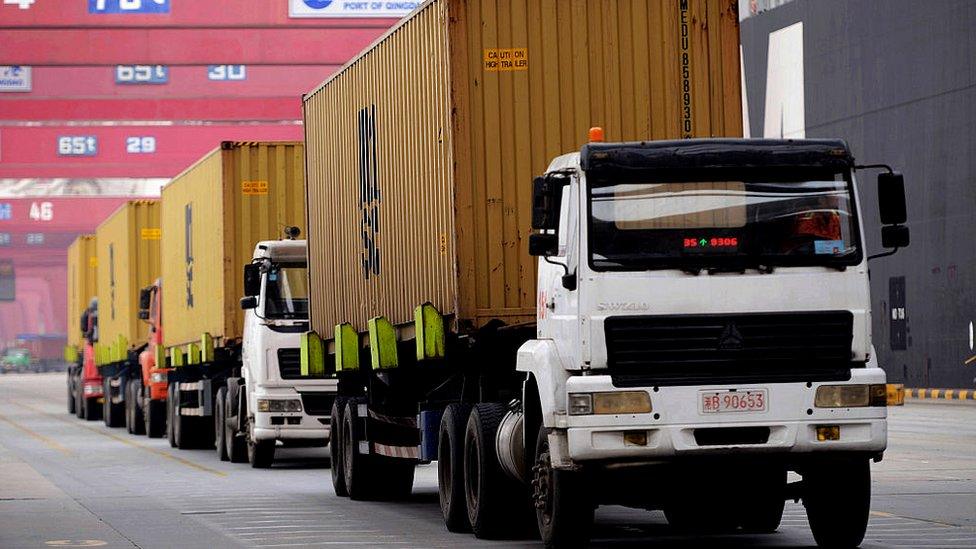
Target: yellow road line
[
  {"x": 51, "y": 443},
  {"x": 130, "y": 442}
]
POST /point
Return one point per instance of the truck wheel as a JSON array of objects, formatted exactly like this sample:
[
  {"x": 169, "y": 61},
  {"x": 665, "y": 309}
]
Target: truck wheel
[
  {"x": 563, "y": 508},
  {"x": 79, "y": 401},
  {"x": 128, "y": 408},
  {"x": 489, "y": 493},
  {"x": 236, "y": 445},
  {"x": 170, "y": 416},
  {"x": 356, "y": 467},
  {"x": 155, "y": 418},
  {"x": 219, "y": 428},
  {"x": 133, "y": 398},
  {"x": 450, "y": 467},
  {"x": 71, "y": 397},
  {"x": 335, "y": 448},
  {"x": 260, "y": 453},
  {"x": 762, "y": 511},
  {"x": 837, "y": 496},
  {"x": 107, "y": 404},
  {"x": 93, "y": 410}
]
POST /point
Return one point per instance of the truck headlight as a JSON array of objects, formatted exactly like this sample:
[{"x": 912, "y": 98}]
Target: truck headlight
[
  {"x": 851, "y": 396},
  {"x": 157, "y": 377},
  {"x": 279, "y": 405},
  {"x": 617, "y": 402},
  {"x": 90, "y": 389}
]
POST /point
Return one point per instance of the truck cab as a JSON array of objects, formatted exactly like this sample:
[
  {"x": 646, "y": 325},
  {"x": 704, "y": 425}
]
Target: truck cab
[
  {"x": 150, "y": 391},
  {"x": 280, "y": 404},
  {"x": 89, "y": 392},
  {"x": 704, "y": 327}
]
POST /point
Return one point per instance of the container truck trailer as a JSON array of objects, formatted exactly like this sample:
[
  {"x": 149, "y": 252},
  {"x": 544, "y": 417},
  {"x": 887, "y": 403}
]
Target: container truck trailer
[
  {"x": 82, "y": 273},
  {"x": 128, "y": 250},
  {"x": 235, "y": 380},
  {"x": 695, "y": 325}
]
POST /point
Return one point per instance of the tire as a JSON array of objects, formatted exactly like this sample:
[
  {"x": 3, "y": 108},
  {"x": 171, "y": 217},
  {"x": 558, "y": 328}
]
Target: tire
[
  {"x": 138, "y": 414},
  {"x": 236, "y": 444},
  {"x": 170, "y": 415},
  {"x": 489, "y": 493},
  {"x": 357, "y": 468},
  {"x": 128, "y": 408},
  {"x": 763, "y": 511},
  {"x": 155, "y": 415},
  {"x": 79, "y": 401},
  {"x": 71, "y": 397},
  {"x": 220, "y": 429},
  {"x": 450, "y": 467},
  {"x": 837, "y": 496},
  {"x": 564, "y": 509},
  {"x": 260, "y": 453},
  {"x": 335, "y": 448},
  {"x": 107, "y": 407},
  {"x": 93, "y": 410}
]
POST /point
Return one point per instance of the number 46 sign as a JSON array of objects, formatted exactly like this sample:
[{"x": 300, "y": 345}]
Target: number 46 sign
[{"x": 128, "y": 6}]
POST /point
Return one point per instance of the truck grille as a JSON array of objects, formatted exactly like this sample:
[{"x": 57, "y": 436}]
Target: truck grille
[
  {"x": 717, "y": 349},
  {"x": 290, "y": 363},
  {"x": 318, "y": 404}
]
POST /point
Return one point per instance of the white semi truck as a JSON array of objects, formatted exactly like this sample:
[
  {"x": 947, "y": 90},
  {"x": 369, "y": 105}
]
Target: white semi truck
[
  {"x": 704, "y": 327},
  {"x": 271, "y": 401}
]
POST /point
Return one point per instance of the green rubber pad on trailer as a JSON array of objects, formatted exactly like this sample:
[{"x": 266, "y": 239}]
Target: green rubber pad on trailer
[
  {"x": 160, "y": 356},
  {"x": 312, "y": 355},
  {"x": 382, "y": 344},
  {"x": 192, "y": 353},
  {"x": 70, "y": 354},
  {"x": 346, "y": 347},
  {"x": 206, "y": 348},
  {"x": 119, "y": 349},
  {"x": 176, "y": 357},
  {"x": 430, "y": 332}
]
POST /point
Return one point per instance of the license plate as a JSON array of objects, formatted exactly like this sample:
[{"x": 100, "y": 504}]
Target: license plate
[{"x": 713, "y": 402}]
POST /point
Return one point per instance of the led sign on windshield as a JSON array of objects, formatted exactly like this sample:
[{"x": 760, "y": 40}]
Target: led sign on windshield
[{"x": 710, "y": 244}]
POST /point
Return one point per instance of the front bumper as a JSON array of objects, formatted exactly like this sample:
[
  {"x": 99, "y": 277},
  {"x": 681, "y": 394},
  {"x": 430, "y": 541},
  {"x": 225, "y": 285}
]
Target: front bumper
[
  {"x": 670, "y": 428},
  {"x": 290, "y": 426}
]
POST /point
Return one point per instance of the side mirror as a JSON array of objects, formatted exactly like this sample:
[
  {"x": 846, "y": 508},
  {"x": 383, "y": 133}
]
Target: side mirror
[
  {"x": 891, "y": 199},
  {"x": 145, "y": 298},
  {"x": 545, "y": 244},
  {"x": 252, "y": 279},
  {"x": 894, "y": 236},
  {"x": 143, "y": 314},
  {"x": 546, "y": 195},
  {"x": 249, "y": 302}
]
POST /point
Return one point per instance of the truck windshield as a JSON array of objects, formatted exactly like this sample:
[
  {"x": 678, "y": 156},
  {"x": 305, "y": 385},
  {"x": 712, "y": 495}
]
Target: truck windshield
[
  {"x": 286, "y": 292},
  {"x": 733, "y": 224}
]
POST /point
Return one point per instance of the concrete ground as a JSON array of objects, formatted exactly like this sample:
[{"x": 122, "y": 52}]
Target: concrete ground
[{"x": 69, "y": 483}]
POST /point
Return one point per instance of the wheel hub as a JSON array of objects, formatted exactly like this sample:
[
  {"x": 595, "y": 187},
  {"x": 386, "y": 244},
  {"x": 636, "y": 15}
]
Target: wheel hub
[{"x": 542, "y": 484}]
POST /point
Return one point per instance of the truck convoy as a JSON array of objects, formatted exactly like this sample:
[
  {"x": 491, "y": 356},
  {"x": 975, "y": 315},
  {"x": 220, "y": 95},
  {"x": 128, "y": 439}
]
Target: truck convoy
[
  {"x": 696, "y": 323},
  {"x": 225, "y": 372},
  {"x": 652, "y": 312}
]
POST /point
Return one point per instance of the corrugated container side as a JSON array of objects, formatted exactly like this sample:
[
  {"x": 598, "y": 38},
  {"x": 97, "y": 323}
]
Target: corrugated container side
[
  {"x": 381, "y": 202},
  {"x": 214, "y": 213},
  {"x": 82, "y": 276},
  {"x": 446, "y": 198},
  {"x": 576, "y": 64},
  {"x": 128, "y": 254}
]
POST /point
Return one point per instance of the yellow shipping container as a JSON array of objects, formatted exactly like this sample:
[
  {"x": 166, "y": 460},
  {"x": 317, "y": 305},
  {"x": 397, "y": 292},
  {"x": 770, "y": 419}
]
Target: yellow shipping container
[
  {"x": 213, "y": 215},
  {"x": 82, "y": 273},
  {"x": 421, "y": 151},
  {"x": 128, "y": 257}
]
